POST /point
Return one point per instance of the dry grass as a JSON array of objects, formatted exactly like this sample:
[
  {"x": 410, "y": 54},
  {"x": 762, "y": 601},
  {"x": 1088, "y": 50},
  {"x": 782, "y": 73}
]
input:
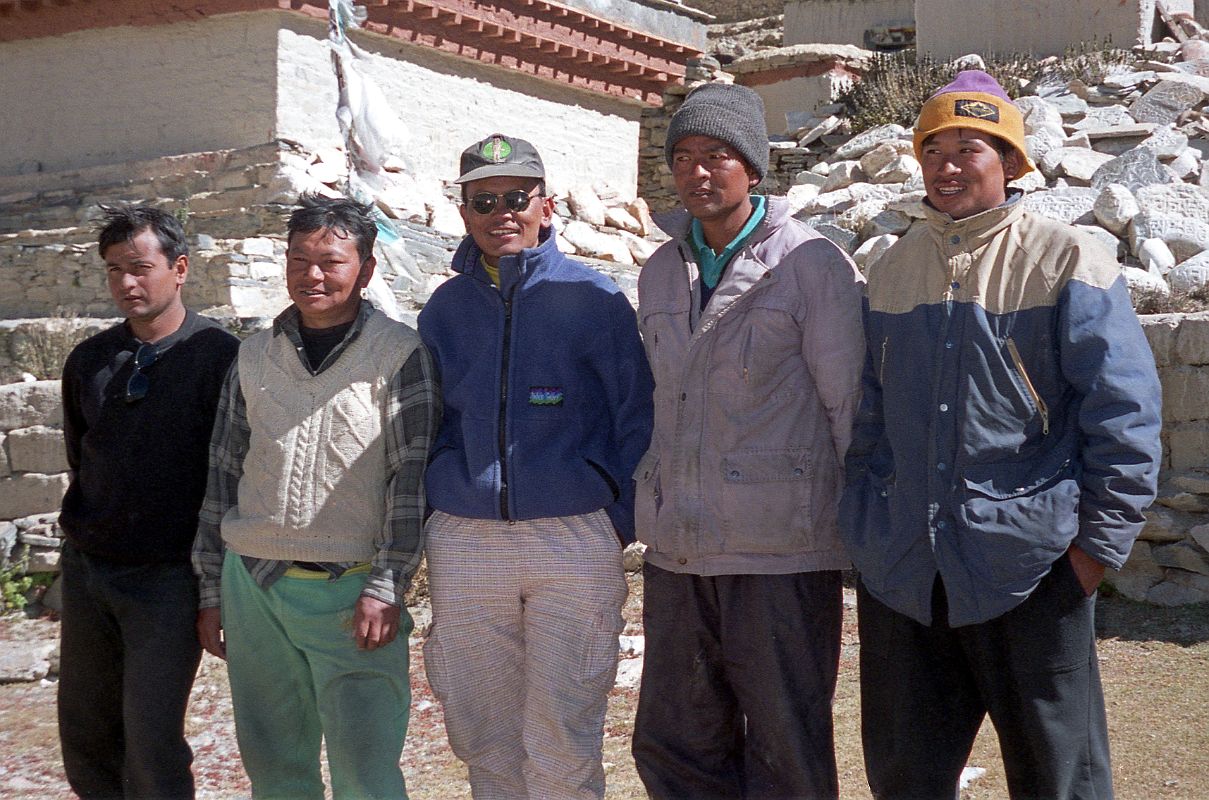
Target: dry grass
[{"x": 1155, "y": 665}]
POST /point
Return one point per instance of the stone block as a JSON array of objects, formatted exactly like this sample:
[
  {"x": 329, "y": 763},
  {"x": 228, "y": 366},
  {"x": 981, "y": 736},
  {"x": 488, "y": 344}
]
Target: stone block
[
  {"x": 25, "y": 404},
  {"x": 1156, "y": 256},
  {"x": 1114, "y": 207},
  {"x": 37, "y": 449},
  {"x": 1186, "y": 236},
  {"x": 1200, "y": 535},
  {"x": 872, "y": 249},
  {"x": 1182, "y": 555},
  {"x": 1189, "y": 444},
  {"x": 617, "y": 217},
  {"x": 22, "y": 495},
  {"x": 888, "y": 221},
  {"x": 1192, "y": 339},
  {"x": 1069, "y": 205},
  {"x": 42, "y": 559},
  {"x": 1184, "y": 393},
  {"x": 1133, "y": 170},
  {"x": 863, "y": 142},
  {"x": 1141, "y": 563},
  {"x": 1195, "y": 481},
  {"x": 8, "y": 539},
  {"x": 590, "y": 242},
  {"x": 842, "y": 175},
  {"x": 1179, "y": 590},
  {"x": 1174, "y": 200},
  {"x": 586, "y": 205},
  {"x": 1166, "y": 101},
  {"x": 1081, "y": 164},
  {"x": 1192, "y": 274},
  {"x": 1135, "y": 587},
  {"x": 1038, "y": 114},
  {"x": 1164, "y": 525},
  {"x": 26, "y": 663},
  {"x": 1108, "y": 240},
  {"x": 1097, "y": 119},
  {"x": 1141, "y": 280},
  {"x": 5, "y": 470},
  {"x": 256, "y": 246},
  {"x": 1167, "y": 142}
]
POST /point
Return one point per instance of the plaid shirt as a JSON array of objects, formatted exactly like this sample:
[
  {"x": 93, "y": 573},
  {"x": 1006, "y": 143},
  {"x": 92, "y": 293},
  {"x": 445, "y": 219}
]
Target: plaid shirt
[{"x": 413, "y": 412}]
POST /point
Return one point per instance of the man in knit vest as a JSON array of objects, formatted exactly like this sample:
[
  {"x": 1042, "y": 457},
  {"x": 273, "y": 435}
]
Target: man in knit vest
[
  {"x": 547, "y": 412},
  {"x": 312, "y": 526},
  {"x": 138, "y": 404}
]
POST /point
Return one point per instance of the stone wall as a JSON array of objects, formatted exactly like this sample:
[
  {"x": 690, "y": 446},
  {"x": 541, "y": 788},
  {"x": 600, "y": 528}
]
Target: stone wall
[
  {"x": 949, "y": 28},
  {"x": 1169, "y": 564},
  {"x": 842, "y": 21},
  {"x": 33, "y": 474}
]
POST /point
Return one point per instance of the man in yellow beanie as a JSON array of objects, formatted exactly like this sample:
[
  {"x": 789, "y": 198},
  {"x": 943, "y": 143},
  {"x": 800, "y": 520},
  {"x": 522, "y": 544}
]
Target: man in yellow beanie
[{"x": 1006, "y": 445}]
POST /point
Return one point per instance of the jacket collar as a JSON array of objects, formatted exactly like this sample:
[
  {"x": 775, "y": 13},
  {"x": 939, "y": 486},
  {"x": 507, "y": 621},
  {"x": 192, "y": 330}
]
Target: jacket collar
[
  {"x": 514, "y": 270},
  {"x": 973, "y": 232},
  {"x": 676, "y": 223}
]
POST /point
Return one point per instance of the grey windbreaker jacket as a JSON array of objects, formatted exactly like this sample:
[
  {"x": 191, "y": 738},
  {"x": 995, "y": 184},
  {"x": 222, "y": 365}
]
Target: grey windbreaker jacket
[{"x": 754, "y": 400}]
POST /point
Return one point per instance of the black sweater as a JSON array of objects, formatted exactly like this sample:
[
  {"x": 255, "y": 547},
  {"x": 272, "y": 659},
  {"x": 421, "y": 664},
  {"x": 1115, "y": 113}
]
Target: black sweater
[{"x": 139, "y": 469}]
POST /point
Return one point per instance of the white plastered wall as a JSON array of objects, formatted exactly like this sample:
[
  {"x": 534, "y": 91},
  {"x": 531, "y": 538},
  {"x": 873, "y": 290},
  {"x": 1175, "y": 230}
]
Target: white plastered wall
[
  {"x": 949, "y": 28},
  {"x": 120, "y": 94},
  {"x": 124, "y": 94},
  {"x": 448, "y": 104},
  {"x": 841, "y": 21}
]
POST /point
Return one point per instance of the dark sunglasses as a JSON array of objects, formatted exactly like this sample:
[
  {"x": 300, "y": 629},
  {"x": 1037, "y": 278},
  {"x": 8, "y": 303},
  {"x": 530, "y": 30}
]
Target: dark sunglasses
[
  {"x": 516, "y": 200},
  {"x": 136, "y": 387}
]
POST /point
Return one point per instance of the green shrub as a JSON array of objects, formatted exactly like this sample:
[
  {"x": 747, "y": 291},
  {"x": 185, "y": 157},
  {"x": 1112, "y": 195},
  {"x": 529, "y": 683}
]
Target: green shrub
[{"x": 895, "y": 85}]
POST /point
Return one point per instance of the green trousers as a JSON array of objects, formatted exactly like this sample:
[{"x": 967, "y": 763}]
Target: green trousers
[{"x": 297, "y": 678}]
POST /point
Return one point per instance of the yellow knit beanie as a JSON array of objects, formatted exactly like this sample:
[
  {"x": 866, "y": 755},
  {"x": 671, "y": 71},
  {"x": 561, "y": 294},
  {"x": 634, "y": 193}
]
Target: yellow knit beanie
[{"x": 976, "y": 101}]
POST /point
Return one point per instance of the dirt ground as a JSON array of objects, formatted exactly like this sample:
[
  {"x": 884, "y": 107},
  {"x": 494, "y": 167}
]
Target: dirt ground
[{"x": 1155, "y": 665}]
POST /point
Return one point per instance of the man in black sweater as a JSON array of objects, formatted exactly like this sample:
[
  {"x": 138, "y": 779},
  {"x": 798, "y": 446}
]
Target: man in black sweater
[{"x": 138, "y": 405}]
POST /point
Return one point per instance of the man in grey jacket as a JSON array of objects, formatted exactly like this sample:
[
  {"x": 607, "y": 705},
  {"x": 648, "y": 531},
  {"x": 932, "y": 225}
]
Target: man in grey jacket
[{"x": 752, "y": 326}]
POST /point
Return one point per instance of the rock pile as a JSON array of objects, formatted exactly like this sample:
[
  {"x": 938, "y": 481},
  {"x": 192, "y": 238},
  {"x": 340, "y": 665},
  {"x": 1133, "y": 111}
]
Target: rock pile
[{"x": 1121, "y": 159}]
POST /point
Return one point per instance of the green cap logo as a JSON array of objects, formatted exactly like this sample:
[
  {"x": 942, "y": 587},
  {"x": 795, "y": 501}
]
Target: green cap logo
[{"x": 496, "y": 150}]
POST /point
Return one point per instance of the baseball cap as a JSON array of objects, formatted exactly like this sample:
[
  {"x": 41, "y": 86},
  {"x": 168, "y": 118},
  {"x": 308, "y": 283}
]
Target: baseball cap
[{"x": 500, "y": 155}]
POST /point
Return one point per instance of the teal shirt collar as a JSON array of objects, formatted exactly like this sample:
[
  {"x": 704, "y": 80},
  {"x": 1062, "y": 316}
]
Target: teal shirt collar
[{"x": 710, "y": 263}]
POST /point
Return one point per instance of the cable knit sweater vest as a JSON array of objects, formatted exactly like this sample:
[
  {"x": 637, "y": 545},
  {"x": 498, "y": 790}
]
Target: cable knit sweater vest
[{"x": 313, "y": 485}]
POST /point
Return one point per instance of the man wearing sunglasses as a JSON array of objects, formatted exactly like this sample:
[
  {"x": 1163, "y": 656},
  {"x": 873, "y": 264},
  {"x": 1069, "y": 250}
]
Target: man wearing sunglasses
[
  {"x": 547, "y": 399},
  {"x": 139, "y": 401},
  {"x": 312, "y": 527}
]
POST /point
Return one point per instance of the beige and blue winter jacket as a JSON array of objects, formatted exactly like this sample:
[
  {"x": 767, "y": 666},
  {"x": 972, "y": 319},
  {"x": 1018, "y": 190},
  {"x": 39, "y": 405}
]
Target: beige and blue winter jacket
[{"x": 1010, "y": 408}]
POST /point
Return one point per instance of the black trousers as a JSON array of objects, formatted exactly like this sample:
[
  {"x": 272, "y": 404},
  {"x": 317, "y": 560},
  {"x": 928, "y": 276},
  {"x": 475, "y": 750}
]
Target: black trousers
[
  {"x": 737, "y": 685},
  {"x": 127, "y": 661},
  {"x": 925, "y": 691}
]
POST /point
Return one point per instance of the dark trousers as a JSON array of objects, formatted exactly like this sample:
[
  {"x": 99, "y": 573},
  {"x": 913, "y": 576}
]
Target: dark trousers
[
  {"x": 737, "y": 685},
  {"x": 127, "y": 662},
  {"x": 925, "y": 691}
]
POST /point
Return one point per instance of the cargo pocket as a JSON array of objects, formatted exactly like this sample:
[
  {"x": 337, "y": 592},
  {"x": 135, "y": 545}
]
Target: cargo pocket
[
  {"x": 1020, "y": 519},
  {"x": 771, "y": 489},
  {"x": 434, "y": 666},
  {"x": 648, "y": 497},
  {"x": 598, "y": 658}
]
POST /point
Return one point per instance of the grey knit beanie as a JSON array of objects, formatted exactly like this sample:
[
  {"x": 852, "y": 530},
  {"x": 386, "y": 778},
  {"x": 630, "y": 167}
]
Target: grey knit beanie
[{"x": 727, "y": 112}]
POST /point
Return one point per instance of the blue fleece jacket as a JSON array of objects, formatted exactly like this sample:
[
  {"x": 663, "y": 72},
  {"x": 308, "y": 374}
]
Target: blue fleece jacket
[{"x": 547, "y": 392}]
